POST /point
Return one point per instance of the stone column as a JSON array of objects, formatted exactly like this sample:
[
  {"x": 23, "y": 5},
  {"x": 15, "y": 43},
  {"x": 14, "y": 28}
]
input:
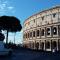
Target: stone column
[
  {"x": 51, "y": 45},
  {"x": 44, "y": 45},
  {"x": 51, "y": 32},
  {"x": 39, "y": 44},
  {"x": 45, "y": 33}
]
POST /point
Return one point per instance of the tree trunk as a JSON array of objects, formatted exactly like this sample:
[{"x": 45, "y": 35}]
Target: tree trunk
[
  {"x": 14, "y": 37},
  {"x": 7, "y": 37}
]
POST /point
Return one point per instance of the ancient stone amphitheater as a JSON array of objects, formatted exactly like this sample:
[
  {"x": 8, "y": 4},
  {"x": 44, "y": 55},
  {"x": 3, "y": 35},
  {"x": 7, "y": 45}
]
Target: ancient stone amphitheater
[{"x": 42, "y": 30}]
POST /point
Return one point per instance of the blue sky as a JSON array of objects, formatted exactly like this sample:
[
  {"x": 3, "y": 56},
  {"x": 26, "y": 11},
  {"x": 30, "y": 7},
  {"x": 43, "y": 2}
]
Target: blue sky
[{"x": 22, "y": 9}]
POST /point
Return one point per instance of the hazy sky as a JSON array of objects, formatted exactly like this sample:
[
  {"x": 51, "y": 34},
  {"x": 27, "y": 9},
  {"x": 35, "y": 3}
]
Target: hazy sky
[{"x": 22, "y": 9}]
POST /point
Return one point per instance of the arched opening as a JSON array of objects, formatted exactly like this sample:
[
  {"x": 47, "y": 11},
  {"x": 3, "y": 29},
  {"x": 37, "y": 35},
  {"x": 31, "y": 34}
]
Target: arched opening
[
  {"x": 54, "y": 45},
  {"x": 26, "y": 45},
  {"x": 26, "y": 35},
  {"x": 33, "y": 33},
  {"x": 42, "y": 32},
  {"x": 32, "y": 45},
  {"x": 48, "y": 31},
  {"x": 37, "y": 45},
  {"x": 47, "y": 44},
  {"x": 42, "y": 46},
  {"x": 37, "y": 32},
  {"x": 30, "y": 34},
  {"x": 54, "y": 31}
]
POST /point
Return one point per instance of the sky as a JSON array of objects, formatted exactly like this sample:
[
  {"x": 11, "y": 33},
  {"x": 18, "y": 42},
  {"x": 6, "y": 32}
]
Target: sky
[{"x": 22, "y": 9}]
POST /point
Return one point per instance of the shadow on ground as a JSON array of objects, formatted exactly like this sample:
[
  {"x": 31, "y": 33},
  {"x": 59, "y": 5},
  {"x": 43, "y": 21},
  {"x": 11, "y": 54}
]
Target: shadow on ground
[{"x": 27, "y": 54}]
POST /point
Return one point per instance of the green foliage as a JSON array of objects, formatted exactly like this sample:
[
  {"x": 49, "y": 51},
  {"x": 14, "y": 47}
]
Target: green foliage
[{"x": 10, "y": 23}]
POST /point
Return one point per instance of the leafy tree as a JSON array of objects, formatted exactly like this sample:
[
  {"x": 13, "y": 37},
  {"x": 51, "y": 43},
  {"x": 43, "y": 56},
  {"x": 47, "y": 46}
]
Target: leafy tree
[{"x": 10, "y": 24}]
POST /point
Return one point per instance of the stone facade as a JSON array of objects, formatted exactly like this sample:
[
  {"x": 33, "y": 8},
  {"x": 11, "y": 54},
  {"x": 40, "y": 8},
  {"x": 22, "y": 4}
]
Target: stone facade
[{"x": 42, "y": 30}]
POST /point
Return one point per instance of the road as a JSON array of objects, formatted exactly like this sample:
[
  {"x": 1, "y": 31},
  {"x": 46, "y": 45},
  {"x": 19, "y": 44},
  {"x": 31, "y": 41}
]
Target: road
[{"x": 31, "y": 55}]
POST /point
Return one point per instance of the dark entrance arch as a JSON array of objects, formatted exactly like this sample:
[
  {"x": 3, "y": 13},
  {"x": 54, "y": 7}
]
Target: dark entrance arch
[
  {"x": 42, "y": 45},
  {"x": 47, "y": 44},
  {"x": 54, "y": 45},
  {"x": 37, "y": 45}
]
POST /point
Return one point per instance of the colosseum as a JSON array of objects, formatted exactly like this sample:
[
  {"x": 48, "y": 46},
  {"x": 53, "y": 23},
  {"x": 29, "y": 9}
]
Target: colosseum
[{"x": 42, "y": 30}]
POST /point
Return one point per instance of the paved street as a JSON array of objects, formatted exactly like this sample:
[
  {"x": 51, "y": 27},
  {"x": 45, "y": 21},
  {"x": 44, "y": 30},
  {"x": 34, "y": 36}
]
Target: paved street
[{"x": 31, "y": 55}]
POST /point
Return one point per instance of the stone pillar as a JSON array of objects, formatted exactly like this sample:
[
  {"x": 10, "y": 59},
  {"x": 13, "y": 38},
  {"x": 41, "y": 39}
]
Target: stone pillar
[
  {"x": 39, "y": 44},
  {"x": 51, "y": 45},
  {"x": 51, "y": 32},
  {"x": 45, "y": 32},
  {"x": 40, "y": 33},
  {"x": 44, "y": 45}
]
